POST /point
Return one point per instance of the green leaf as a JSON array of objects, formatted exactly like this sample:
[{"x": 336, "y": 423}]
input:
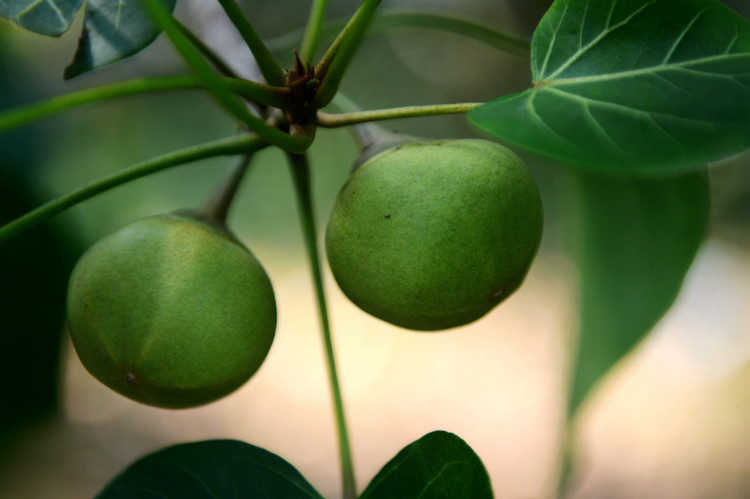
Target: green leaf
[
  {"x": 210, "y": 469},
  {"x": 632, "y": 86},
  {"x": 636, "y": 241},
  {"x": 112, "y": 30},
  {"x": 34, "y": 269},
  {"x": 437, "y": 466},
  {"x": 46, "y": 17}
]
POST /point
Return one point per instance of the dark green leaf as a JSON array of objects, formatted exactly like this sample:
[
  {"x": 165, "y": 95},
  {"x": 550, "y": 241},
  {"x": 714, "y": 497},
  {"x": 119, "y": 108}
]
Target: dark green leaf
[
  {"x": 636, "y": 241},
  {"x": 437, "y": 466},
  {"x": 34, "y": 272},
  {"x": 46, "y": 17},
  {"x": 112, "y": 30},
  {"x": 632, "y": 86},
  {"x": 211, "y": 469}
]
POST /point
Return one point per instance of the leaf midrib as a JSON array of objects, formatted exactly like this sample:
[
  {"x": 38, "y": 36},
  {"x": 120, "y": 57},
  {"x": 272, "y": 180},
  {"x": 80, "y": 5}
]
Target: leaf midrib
[{"x": 647, "y": 70}]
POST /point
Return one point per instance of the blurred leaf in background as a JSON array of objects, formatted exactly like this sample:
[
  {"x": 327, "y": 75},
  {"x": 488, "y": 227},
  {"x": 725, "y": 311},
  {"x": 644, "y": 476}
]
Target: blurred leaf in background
[
  {"x": 634, "y": 243},
  {"x": 34, "y": 272}
]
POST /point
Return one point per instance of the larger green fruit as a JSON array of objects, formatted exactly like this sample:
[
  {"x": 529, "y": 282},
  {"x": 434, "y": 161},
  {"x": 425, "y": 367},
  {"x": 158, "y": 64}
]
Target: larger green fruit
[
  {"x": 171, "y": 311},
  {"x": 431, "y": 236}
]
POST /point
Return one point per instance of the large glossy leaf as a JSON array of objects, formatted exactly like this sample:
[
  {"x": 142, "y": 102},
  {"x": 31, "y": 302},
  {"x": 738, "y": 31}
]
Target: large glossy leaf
[
  {"x": 437, "y": 466},
  {"x": 46, "y": 17},
  {"x": 210, "y": 469},
  {"x": 636, "y": 241},
  {"x": 112, "y": 30},
  {"x": 633, "y": 86}
]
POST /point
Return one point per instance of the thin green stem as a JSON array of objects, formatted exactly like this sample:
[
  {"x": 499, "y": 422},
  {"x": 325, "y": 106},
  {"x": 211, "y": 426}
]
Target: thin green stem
[
  {"x": 301, "y": 173},
  {"x": 216, "y": 206},
  {"x": 505, "y": 42},
  {"x": 331, "y": 68},
  {"x": 313, "y": 28},
  {"x": 329, "y": 120},
  {"x": 240, "y": 144},
  {"x": 207, "y": 51},
  {"x": 214, "y": 82},
  {"x": 268, "y": 66},
  {"x": 273, "y": 96},
  {"x": 388, "y": 20}
]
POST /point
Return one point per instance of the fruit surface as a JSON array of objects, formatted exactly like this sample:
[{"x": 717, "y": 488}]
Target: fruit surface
[
  {"x": 433, "y": 235},
  {"x": 171, "y": 311}
]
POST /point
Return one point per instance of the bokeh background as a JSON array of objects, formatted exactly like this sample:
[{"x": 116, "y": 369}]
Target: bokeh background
[{"x": 671, "y": 421}]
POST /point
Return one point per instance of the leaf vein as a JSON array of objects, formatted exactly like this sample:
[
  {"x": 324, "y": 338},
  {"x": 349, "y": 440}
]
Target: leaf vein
[
  {"x": 552, "y": 42},
  {"x": 583, "y": 25},
  {"x": 625, "y": 109},
  {"x": 536, "y": 116},
  {"x": 195, "y": 476},
  {"x": 598, "y": 126},
  {"x": 685, "y": 66},
  {"x": 438, "y": 475},
  {"x": 607, "y": 31},
  {"x": 681, "y": 36},
  {"x": 732, "y": 43},
  {"x": 120, "y": 5},
  {"x": 33, "y": 5}
]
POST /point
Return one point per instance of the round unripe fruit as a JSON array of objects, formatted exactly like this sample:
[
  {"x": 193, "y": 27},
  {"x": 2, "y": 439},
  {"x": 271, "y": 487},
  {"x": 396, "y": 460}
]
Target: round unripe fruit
[
  {"x": 171, "y": 311},
  {"x": 432, "y": 236}
]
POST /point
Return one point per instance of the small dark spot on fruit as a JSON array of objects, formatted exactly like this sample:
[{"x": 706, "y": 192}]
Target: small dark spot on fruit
[
  {"x": 130, "y": 377},
  {"x": 498, "y": 294},
  {"x": 387, "y": 216}
]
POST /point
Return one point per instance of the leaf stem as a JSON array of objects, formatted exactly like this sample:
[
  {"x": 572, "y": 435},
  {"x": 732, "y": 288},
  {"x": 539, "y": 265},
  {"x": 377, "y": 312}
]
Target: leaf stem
[
  {"x": 505, "y": 42},
  {"x": 214, "y": 58},
  {"x": 389, "y": 19},
  {"x": 216, "y": 206},
  {"x": 312, "y": 30},
  {"x": 332, "y": 66},
  {"x": 301, "y": 173},
  {"x": 329, "y": 120},
  {"x": 240, "y": 144},
  {"x": 292, "y": 143},
  {"x": 268, "y": 66},
  {"x": 273, "y": 96}
]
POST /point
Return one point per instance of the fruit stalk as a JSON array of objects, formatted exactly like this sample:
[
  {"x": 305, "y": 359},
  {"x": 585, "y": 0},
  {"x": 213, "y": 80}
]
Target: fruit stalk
[
  {"x": 301, "y": 173},
  {"x": 271, "y": 70},
  {"x": 238, "y": 144},
  {"x": 216, "y": 206},
  {"x": 313, "y": 29},
  {"x": 329, "y": 120}
]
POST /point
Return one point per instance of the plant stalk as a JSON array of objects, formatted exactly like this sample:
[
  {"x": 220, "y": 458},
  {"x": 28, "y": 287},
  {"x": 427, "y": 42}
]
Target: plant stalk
[
  {"x": 312, "y": 30},
  {"x": 216, "y": 206},
  {"x": 265, "y": 94},
  {"x": 268, "y": 66},
  {"x": 329, "y": 120},
  {"x": 301, "y": 173},
  {"x": 240, "y": 144},
  {"x": 332, "y": 66},
  {"x": 394, "y": 19},
  {"x": 221, "y": 66},
  {"x": 192, "y": 56}
]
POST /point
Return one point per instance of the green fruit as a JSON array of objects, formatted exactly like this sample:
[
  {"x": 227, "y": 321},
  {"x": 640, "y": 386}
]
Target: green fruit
[
  {"x": 171, "y": 311},
  {"x": 432, "y": 236}
]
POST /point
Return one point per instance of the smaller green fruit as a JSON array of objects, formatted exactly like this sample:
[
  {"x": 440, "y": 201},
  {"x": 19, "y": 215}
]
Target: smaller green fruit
[
  {"x": 171, "y": 311},
  {"x": 432, "y": 236}
]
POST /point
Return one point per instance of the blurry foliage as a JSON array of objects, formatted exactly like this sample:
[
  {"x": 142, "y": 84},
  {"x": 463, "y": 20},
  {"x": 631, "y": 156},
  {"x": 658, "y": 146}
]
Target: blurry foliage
[{"x": 54, "y": 157}]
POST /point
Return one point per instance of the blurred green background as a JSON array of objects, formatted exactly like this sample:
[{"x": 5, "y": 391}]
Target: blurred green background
[{"x": 668, "y": 423}]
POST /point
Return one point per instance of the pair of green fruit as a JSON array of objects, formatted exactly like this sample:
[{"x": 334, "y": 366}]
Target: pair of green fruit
[{"x": 173, "y": 311}]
